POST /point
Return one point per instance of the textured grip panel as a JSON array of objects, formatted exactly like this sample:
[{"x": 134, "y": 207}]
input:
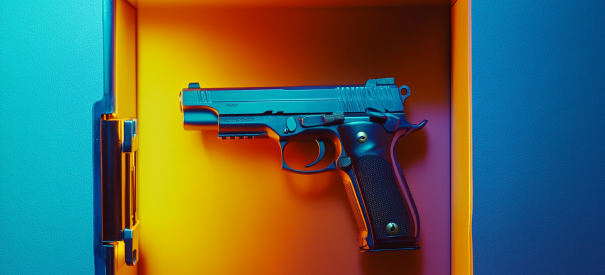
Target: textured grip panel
[{"x": 381, "y": 194}]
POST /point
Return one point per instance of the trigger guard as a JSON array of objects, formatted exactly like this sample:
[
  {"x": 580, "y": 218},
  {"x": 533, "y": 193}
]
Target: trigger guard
[{"x": 285, "y": 166}]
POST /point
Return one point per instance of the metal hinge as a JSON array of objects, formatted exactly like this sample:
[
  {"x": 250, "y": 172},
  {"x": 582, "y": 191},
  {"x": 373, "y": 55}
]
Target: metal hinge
[{"x": 121, "y": 225}]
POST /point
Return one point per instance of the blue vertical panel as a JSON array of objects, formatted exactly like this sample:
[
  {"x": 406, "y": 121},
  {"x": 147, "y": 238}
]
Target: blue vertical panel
[
  {"x": 539, "y": 137},
  {"x": 51, "y": 74}
]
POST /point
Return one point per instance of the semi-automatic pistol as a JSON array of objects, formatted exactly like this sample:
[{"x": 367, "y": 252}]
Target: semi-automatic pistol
[{"x": 363, "y": 123}]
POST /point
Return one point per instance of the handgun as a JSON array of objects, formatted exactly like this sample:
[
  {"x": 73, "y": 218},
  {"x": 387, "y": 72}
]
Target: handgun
[{"x": 363, "y": 123}]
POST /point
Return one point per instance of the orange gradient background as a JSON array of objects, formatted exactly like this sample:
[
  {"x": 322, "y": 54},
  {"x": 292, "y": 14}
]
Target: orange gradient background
[{"x": 210, "y": 206}]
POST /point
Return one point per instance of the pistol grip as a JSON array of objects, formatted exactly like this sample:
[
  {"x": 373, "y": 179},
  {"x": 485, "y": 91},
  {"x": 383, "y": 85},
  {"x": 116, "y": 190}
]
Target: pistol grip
[{"x": 384, "y": 209}]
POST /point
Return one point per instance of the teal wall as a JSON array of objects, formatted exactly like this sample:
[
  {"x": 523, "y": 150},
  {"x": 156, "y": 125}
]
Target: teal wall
[{"x": 51, "y": 74}]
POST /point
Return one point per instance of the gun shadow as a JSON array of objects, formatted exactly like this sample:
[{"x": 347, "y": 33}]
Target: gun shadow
[
  {"x": 297, "y": 154},
  {"x": 410, "y": 149}
]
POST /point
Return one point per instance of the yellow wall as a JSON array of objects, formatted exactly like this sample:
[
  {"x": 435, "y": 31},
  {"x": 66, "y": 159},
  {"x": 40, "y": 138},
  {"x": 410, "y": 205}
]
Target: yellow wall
[
  {"x": 210, "y": 206},
  {"x": 266, "y": 152},
  {"x": 125, "y": 60},
  {"x": 462, "y": 180},
  {"x": 125, "y": 74}
]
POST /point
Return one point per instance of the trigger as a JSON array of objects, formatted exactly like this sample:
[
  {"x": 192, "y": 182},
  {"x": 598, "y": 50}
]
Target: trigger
[{"x": 322, "y": 150}]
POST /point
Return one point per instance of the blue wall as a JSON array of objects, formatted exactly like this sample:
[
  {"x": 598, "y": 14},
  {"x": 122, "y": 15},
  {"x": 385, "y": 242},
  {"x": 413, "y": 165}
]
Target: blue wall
[
  {"x": 539, "y": 137},
  {"x": 51, "y": 73}
]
